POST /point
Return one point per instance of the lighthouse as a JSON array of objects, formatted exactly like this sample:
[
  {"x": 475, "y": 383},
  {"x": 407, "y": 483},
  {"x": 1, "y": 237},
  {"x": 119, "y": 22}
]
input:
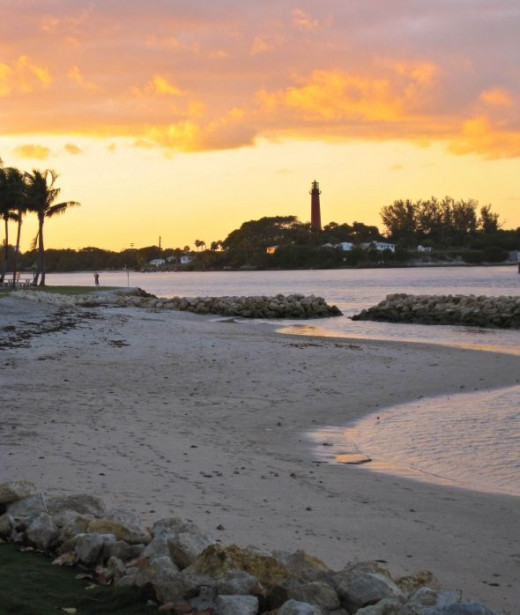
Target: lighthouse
[{"x": 315, "y": 206}]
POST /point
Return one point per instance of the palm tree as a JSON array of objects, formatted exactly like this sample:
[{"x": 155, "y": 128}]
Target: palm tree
[
  {"x": 15, "y": 193},
  {"x": 6, "y": 213},
  {"x": 41, "y": 194}
]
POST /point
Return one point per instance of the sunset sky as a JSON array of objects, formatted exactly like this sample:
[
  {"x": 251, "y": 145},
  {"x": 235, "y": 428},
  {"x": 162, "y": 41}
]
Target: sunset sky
[{"x": 181, "y": 120}]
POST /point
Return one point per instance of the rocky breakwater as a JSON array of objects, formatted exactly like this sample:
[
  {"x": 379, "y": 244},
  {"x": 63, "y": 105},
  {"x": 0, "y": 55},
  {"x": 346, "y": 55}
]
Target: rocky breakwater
[
  {"x": 186, "y": 572},
  {"x": 278, "y": 306},
  {"x": 467, "y": 310}
]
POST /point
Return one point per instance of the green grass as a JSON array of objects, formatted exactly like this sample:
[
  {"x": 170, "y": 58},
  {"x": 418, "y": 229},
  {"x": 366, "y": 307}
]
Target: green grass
[
  {"x": 62, "y": 290},
  {"x": 31, "y": 585}
]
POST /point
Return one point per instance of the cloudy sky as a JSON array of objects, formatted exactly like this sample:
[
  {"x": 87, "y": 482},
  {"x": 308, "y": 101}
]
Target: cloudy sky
[{"x": 181, "y": 120}]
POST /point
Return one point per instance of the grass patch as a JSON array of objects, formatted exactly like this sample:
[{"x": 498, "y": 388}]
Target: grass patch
[
  {"x": 62, "y": 290},
  {"x": 31, "y": 585}
]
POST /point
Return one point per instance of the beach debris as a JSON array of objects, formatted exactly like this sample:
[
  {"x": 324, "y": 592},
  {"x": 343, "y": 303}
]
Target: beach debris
[{"x": 188, "y": 572}]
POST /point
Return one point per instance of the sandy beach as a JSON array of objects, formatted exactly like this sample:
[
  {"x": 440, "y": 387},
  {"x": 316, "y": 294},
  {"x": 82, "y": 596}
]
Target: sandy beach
[{"x": 165, "y": 413}]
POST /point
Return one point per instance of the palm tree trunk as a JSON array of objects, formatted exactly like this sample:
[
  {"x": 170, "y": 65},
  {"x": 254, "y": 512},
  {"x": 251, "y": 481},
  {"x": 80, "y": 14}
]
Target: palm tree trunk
[
  {"x": 17, "y": 248},
  {"x": 41, "y": 253},
  {"x": 6, "y": 251}
]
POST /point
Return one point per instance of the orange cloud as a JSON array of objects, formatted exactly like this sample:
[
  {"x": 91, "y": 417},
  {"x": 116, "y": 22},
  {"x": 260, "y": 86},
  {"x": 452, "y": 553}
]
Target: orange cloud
[
  {"x": 23, "y": 77},
  {"x": 336, "y": 95},
  {"x": 303, "y": 21},
  {"x": 161, "y": 85},
  {"x": 228, "y": 132},
  {"x": 479, "y": 136},
  {"x": 37, "y": 152},
  {"x": 70, "y": 148},
  {"x": 496, "y": 97},
  {"x": 76, "y": 76}
]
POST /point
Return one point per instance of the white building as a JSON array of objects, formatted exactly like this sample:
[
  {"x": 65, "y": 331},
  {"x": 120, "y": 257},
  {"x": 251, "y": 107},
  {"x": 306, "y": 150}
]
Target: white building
[
  {"x": 157, "y": 262},
  {"x": 186, "y": 259},
  {"x": 380, "y": 246},
  {"x": 346, "y": 246}
]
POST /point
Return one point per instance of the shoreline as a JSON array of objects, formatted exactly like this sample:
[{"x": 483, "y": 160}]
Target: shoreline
[{"x": 173, "y": 414}]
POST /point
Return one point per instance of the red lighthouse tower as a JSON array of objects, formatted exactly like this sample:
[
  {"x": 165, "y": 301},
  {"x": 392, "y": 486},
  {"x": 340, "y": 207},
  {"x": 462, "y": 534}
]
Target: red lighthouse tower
[{"x": 315, "y": 206}]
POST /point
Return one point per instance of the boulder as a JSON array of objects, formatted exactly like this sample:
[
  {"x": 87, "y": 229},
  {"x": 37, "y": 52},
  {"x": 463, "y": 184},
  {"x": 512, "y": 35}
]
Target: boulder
[
  {"x": 42, "y": 532},
  {"x": 303, "y": 567},
  {"x": 293, "y": 607},
  {"x": 15, "y": 490},
  {"x": 218, "y": 562},
  {"x": 319, "y": 594},
  {"x": 90, "y": 548},
  {"x": 237, "y": 605},
  {"x": 388, "y": 606},
  {"x": 463, "y": 608},
  {"x": 122, "y": 531},
  {"x": 364, "y": 584},
  {"x": 422, "y": 578},
  {"x": 27, "y": 507},
  {"x": 183, "y": 541},
  {"x": 239, "y": 582},
  {"x": 82, "y": 503}
]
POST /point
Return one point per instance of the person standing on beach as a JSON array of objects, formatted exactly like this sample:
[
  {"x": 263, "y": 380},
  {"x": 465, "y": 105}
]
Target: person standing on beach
[{"x": 96, "y": 278}]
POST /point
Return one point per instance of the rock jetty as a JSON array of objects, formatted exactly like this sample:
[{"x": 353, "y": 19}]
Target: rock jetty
[
  {"x": 468, "y": 310},
  {"x": 278, "y": 306},
  {"x": 187, "y": 572}
]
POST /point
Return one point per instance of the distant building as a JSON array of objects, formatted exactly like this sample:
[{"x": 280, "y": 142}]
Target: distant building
[
  {"x": 346, "y": 246},
  {"x": 271, "y": 249},
  {"x": 315, "y": 206},
  {"x": 157, "y": 262},
  {"x": 424, "y": 249},
  {"x": 186, "y": 259},
  {"x": 380, "y": 246}
]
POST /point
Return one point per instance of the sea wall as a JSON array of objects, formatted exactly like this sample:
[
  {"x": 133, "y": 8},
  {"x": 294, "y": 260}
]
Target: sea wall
[
  {"x": 189, "y": 572},
  {"x": 467, "y": 310},
  {"x": 278, "y": 306}
]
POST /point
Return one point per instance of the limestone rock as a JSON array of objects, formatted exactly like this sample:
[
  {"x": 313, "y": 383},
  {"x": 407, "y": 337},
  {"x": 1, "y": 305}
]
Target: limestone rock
[
  {"x": 15, "y": 490},
  {"x": 7, "y": 523},
  {"x": 364, "y": 584},
  {"x": 426, "y": 596},
  {"x": 237, "y": 605},
  {"x": 239, "y": 582},
  {"x": 183, "y": 541},
  {"x": 302, "y": 566},
  {"x": 463, "y": 608},
  {"x": 293, "y": 607},
  {"x": 90, "y": 547},
  {"x": 82, "y": 503},
  {"x": 319, "y": 594},
  {"x": 218, "y": 562},
  {"x": 387, "y": 606},
  {"x": 70, "y": 523},
  {"x": 124, "y": 551},
  {"x": 422, "y": 578},
  {"x": 163, "y": 576},
  {"x": 122, "y": 531},
  {"x": 27, "y": 507},
  {"x": 42, "y": 532}
]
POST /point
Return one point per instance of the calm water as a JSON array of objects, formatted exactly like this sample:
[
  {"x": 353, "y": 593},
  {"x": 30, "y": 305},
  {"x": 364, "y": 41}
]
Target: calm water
[{"x": 470, "y": 440}]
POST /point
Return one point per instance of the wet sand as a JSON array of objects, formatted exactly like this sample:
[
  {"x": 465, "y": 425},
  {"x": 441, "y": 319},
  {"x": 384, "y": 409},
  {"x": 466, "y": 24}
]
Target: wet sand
[{"x": 168, "y": 413}]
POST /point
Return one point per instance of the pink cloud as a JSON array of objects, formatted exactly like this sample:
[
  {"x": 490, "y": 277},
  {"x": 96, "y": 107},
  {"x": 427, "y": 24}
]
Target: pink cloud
[{"x": 340, "y": 69}]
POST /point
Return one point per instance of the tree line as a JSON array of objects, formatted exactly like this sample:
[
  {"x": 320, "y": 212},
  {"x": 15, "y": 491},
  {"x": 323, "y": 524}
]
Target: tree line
[
  {"x": 438, "y": 223},
  {"x": 461, "y": 228},
  {"x": 22, "y": 193}
]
